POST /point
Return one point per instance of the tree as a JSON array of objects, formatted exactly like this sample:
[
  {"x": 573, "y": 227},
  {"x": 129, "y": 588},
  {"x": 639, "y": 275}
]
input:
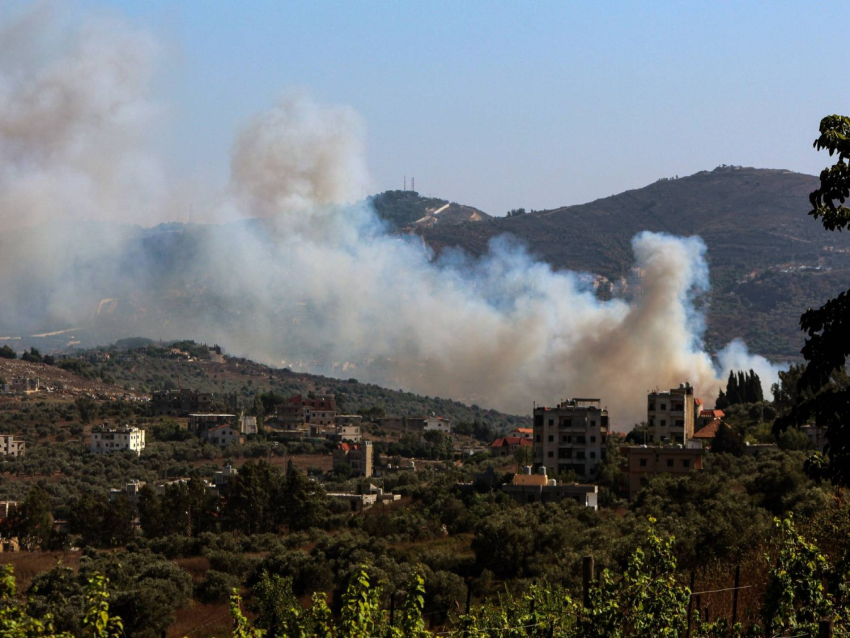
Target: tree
[
  {"x": 827, "y": 328},
  {"x": 87, "y": 408},
  {"x": 30, "y": 522},
  {"x": 7, "y": 353},
  {"x": 728, "y": 440},
  {"x": 524, "y": 455},
  {"x": 33, "y": 356}
]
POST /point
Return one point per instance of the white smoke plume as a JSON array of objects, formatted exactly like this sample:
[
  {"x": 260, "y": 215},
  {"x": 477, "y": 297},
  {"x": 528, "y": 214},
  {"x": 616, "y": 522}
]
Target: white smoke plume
[
  {"x": 305, "y": 278},
  {"x": 73, "y": 115}
]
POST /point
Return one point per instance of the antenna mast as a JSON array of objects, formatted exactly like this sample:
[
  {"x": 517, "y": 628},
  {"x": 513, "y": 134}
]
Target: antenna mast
[{"x": 413, "y": 183}]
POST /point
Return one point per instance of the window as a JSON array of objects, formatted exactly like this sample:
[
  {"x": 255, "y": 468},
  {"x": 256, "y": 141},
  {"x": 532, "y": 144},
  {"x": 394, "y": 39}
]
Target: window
[
  {"x": 538, "y": 438},
  {"x": 593, "y": 439},
  {"x": 669, "y": 462},
  {"x": 551, "y": 421},
  {"x": 551, "y": 454},
  {"x": 643, "y": 462},
  {"x": 663, "y": 422},
  {"x": 686, "y": 463},
  {"x": 593, "y": 424},
  {"x": 651, "y": 406},
  {"x": 565, "y": 439},
  {"x": 663, "y": 406},
  {"x": 551, "y": 438},
  {"x": 593, "y": 455}
]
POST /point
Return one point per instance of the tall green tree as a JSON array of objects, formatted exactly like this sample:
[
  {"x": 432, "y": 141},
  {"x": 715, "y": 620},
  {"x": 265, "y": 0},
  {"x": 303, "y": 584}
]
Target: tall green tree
[{"x": 827, "y": 328}]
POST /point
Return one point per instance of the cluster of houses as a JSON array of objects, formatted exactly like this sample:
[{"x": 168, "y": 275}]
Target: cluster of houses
[{"x": 572, "y": 437}]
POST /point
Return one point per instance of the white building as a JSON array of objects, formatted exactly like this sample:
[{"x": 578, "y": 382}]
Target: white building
[
  {"x": 248, "y": 424},
  {"x": 11, "y": 446},
  {"x": 437, "y": 423},
  {"x": 117, "y": 440}
]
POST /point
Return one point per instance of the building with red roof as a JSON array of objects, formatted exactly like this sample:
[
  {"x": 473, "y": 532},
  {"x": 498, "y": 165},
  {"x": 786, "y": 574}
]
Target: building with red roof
[{"x": 507, "y": 445}]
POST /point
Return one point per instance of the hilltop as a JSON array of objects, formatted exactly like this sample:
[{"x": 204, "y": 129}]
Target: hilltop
[
  {"x": 409, "y": 210},
  {"x": 768, "y": 260}
]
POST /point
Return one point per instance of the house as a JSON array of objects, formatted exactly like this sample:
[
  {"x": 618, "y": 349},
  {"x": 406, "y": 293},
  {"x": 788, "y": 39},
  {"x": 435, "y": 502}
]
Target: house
[
  {"x": 22, "y": 385},
  {"x": 539, "y": 488},
  {"x": 706, "y": 434},
  {"x": 437, "y": 424},
  {"x": 704, "y": 417},
  {"x": 119, "y": 439},
  {"x": 12, "y": 446},
  {"x": 223, "y": 435},
  {"x": 506, "y": 446},
  {"x": 571, "y": 436},
  {"x": 641, "y": 462},
  {"x": 522, "y": 433},
  {"x": 365, "y": 497},
  {"x": 298, "y": 410},
  {"x": 180, "y": 402},
  {"x": 358, "y": 456},
  {"x": 215, "y": 354},
  {"x": 670, "y": 415},
  {"x": 200, "y": 423},
  {"x": 223, "y": 476},
  {"x": 348, "y": 433},
  {"x": 248, "y": 424},
  {"x": 132, "y": 491}
]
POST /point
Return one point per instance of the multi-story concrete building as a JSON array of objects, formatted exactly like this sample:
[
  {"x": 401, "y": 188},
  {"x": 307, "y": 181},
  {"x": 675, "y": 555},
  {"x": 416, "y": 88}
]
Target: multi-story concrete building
[
  {"x": 117, "y": 440},
  {"x": 357, "y": 455},
  {"x": 12, "y": 446},
  {"x": 180, "y": 402},
  {"x": 571, "y": 437},
  {"x": 642, "y": 462},
  {"x": 670, "y": 415}
]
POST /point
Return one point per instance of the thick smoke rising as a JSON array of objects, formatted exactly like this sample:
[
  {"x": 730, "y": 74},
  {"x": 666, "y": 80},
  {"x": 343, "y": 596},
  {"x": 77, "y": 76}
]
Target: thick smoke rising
[{"x": 302, "y": 277}]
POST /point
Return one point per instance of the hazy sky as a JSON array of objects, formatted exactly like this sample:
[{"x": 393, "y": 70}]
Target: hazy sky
[{"x": 507, "y": 104}]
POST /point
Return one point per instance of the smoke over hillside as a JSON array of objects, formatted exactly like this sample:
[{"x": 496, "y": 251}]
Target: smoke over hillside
[{"x": 300, "y": 276}]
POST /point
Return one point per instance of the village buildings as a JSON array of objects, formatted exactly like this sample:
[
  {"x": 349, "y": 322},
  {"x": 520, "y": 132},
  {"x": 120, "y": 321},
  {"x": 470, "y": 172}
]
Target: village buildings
[
  {"x": 119, "y": 439},
  {"x": 571, "y": 437}
]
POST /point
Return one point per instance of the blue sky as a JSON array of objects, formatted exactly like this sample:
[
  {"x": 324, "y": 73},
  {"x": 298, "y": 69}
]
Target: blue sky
[{"x": 507, "y": 104}]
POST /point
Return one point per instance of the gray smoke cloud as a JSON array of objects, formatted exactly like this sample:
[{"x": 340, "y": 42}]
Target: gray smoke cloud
[{"x": 299, "y": 275}]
